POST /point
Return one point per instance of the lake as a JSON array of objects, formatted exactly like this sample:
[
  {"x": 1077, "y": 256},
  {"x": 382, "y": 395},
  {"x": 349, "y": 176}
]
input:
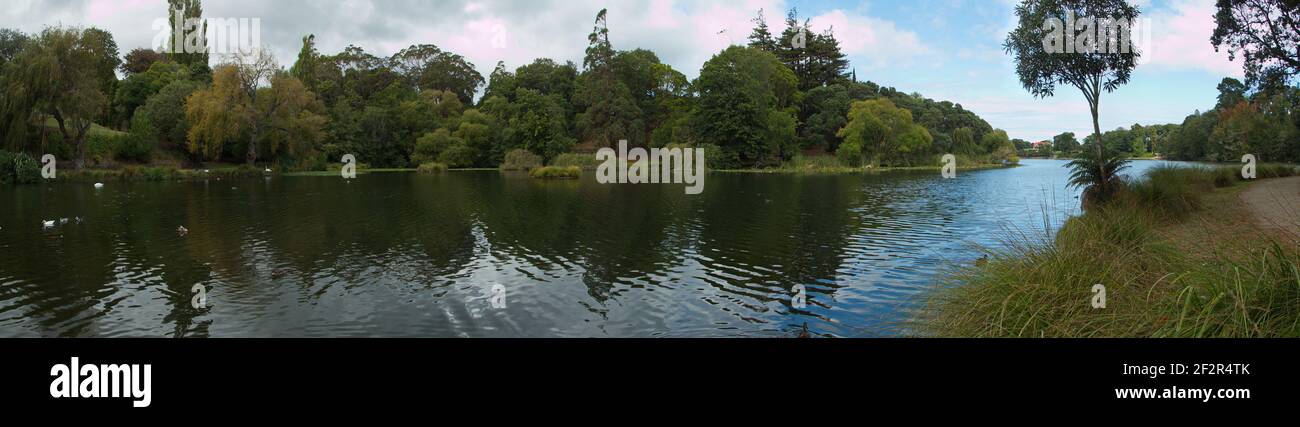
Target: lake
[{"x": 403, "y": 254}]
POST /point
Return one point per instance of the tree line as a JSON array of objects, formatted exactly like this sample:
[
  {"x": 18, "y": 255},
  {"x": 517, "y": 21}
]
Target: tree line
[
  {"x": 1259, "y": 116},
  {"x": 756, "y": 105}
]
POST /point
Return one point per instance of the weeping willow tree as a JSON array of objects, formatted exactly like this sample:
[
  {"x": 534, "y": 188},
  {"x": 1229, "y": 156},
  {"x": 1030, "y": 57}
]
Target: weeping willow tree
[
  {"x": 253, "y": 98},
  {"x": 61, "y": 74}
]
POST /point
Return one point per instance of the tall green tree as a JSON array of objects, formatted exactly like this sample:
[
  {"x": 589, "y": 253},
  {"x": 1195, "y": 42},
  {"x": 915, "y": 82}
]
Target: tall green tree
[
  {"x": 963, "y": 141},
  {"x": 608, "y": 111},
  {"x": 139, "y": 60},
  {"x": 815, "y": 58},
  {"x": 191, "y": 48},
  {"x": 1091, "y": 69},
  {"x": 305, "y": 69},
  {"x": 1065, "y": 143},
  {"x": 742, "y": 93},
  {"x": 1231, "y": 93},
  {"x": 1264, "y": 33},
  {"x": 429, "y": 68},
  {"x": 61, "y": 74},
  {"x": 880, "y": 133},
  {"x": 761, "y": 37},
  {"x": 136, "y": 89}
]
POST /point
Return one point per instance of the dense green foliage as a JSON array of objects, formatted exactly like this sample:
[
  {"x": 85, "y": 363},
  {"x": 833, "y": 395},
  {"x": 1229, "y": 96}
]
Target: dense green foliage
[
  {"x": 18, "y": 168},
  {"x": 782, "y": 97},
  {"x": 1264, "y": 122},
  {"x": 556, "y": 172},
  {"x": 1094, "y": 69},
  {"x": 1263, "y": 33}
]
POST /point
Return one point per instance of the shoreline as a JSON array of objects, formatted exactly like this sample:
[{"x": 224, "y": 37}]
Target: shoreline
[
  {"x": 1186, "y": 258},
  {"x": 164, "y": 173}
]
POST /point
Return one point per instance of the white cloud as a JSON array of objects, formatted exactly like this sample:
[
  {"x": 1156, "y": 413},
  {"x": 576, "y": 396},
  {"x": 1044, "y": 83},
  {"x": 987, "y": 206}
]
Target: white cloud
[
  {"x": 1181, "y": 39},
  {"x": 878, "y": 41},
  {"x": 684, "y": 34}
]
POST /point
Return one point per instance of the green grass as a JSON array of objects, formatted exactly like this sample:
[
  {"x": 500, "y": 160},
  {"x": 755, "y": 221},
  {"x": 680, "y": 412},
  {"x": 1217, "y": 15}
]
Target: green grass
[
  {"x": 1177, "y": 258},
  {"x": 95, "y": 129},
  {"x": 556, "y": 172},
  {"x": 830, "y": 165},
  {"x": 156, "y": 173}
]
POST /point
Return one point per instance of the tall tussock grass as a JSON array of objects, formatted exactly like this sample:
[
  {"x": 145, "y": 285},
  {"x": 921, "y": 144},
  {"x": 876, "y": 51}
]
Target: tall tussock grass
[{"x": 1041, "y": 285}]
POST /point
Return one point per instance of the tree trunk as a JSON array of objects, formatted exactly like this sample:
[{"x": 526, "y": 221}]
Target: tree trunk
[
  {"x": 1096, "y": 129},
  {"x": 251, "y": 157},
  {"x": 80, "y": 162}
]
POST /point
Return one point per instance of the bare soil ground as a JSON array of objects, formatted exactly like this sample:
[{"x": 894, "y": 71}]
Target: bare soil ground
[{"x": 1275, "y": 204}]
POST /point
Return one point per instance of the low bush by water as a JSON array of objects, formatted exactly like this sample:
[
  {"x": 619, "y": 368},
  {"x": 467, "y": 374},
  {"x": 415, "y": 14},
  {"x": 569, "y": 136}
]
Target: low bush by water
[
  {"x": 18, "y": 168},
  {"x": 432, "y": 167},
  {"x": 556, "y": 172}
]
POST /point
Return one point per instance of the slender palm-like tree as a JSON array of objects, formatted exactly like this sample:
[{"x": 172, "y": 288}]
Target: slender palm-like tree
[{"x": 1098, "y": 173}]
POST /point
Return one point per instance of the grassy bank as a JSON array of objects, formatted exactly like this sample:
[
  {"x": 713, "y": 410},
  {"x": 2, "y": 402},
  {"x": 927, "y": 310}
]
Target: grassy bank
[
  {"x": 814, "y": 165},
  {"x": 157, "y": 173},
  {"x": 1179, "y": 256}
]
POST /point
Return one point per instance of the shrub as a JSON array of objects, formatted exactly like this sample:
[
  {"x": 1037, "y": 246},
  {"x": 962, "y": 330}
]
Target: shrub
[
  {"x": 458, "y": 156},
  {"x": 131, "y": 171},
  {"x": 1276, "y": 171},
  {"x": 521, "y": 160},
  {"x": 1172, "y": 191},
  {"x": 26, "y": 169},
  {"x": 850, "y": 154},
  {"x": 139, "y": 144},
  {"x": 430, "y": 146},
  {"x": 1225, "y": 177},
  {"x": 165, "y": 112},
  {"x": 19, "y": 168},
  {"x": 159, "y": 174},
  {"x": 100, "y": 149},
  {"x": 432, "y": 167},
  {"x": 556, "y": 172},
  {"x": 815, "y": 163},
  {"x": 717, "y": 158}
]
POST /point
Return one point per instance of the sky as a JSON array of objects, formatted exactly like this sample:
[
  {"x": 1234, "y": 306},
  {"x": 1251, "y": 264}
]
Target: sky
[{"x": 942, "y": 49}]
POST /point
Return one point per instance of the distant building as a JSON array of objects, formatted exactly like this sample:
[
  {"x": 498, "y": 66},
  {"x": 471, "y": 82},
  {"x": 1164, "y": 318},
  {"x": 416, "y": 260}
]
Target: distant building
[{"x": 1040, "y": 144}]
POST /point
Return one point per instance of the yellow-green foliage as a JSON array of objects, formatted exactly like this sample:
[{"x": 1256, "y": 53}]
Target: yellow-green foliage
[
  {"x": 880, "y": 132},
  {"x": 556, "y": 172}
]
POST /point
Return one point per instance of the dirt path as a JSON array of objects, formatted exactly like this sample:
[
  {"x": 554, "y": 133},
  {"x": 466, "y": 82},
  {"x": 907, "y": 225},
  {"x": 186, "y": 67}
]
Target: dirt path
[{"x": 1276, "y": 205}]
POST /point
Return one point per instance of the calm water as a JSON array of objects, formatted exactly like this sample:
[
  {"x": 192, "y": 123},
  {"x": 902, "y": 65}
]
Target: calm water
[{"x": 418, "y": 255}]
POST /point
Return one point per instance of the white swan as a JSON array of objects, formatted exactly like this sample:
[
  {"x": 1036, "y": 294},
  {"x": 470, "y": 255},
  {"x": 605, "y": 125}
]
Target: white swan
[
  {"x": 99, "y": 185},
  {"x": 48, "y": 224}
]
